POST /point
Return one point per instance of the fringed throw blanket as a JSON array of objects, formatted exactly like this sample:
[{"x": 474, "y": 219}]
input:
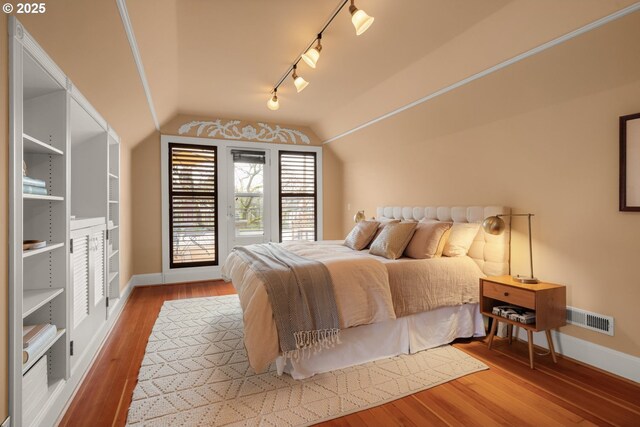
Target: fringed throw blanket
[{"x": 301, "y": 294}]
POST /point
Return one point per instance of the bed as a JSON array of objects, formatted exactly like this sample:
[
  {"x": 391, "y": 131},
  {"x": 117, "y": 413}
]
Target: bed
[{"x": 386, "y": 307}]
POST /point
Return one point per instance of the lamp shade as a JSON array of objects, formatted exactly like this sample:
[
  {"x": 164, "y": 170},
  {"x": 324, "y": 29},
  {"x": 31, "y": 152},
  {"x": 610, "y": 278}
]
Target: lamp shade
[
  {"x": 311, "y": 56},
  {"x": 493, "y": 225},
  {"x": 298, "y": 81},
  {"x": 361, "y": 21},
  {"x": 273, "y": 103}
]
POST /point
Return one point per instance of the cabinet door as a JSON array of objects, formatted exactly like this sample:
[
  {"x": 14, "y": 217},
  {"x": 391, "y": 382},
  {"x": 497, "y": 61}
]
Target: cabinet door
[
  {"x": 97, "y": 260},
  {"x": 89, "y": 299},
  {"x": 80, "y": 279}
]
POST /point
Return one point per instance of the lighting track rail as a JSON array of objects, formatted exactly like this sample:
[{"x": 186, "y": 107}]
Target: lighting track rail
[{"x": 310, "y": 55}]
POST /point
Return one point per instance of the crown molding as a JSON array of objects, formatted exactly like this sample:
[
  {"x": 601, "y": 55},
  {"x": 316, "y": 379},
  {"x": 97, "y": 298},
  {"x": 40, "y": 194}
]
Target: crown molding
[
  {"x": 536, "y": 50},
  {"x": 128, "y": 28}
]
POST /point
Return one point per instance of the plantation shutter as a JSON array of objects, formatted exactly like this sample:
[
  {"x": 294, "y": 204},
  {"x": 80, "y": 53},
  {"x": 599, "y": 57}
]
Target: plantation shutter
[
  {"x": 97, "y": 254},
  {"x": 80, "y": 262},
  {"x": 193, "y": 215},
  {"x": 298, "y": 196}
]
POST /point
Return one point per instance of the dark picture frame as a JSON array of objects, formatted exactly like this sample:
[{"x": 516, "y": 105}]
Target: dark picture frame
[{"x": 630, "y": 163}]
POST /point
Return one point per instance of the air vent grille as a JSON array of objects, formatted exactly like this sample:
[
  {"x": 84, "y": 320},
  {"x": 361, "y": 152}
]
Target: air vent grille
[{"x": 590, "y": 320}]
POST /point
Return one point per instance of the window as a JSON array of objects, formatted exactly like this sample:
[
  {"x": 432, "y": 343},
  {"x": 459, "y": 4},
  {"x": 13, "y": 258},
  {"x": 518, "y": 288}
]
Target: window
[
  {"x": 298, "y": 196},
  {"x": 193, "y": 207},
  {"x": 248, "y": 175}
]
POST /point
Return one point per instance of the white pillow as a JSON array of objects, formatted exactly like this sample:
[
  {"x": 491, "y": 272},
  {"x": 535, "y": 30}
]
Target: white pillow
[{"x": 461, "y": 238}]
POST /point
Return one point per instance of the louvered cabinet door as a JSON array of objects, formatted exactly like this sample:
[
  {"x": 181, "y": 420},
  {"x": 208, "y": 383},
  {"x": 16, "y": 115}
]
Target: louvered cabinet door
[
  {"x": 80, "y": 269},
  {"x": 97, "y": 260},
  {"x": 89, "y": 284}
]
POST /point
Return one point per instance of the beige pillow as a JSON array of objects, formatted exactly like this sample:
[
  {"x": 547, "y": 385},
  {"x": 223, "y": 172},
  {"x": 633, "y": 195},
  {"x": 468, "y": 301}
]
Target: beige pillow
[
  {"x": 428, "y": 240},
  {"x": 361, "y": 234},
  {"x": 461, "y": 238},
  {"x": 382, "y": 223},
  {"x": 393, "y": 239}
]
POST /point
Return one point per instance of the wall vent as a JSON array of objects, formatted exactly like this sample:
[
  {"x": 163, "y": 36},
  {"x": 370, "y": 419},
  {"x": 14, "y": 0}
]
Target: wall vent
[{"x": 590, "y": 320}]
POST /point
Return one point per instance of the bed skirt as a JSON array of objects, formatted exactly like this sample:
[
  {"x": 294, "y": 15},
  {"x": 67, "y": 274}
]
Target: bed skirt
[{"x": 405, "y": 335}]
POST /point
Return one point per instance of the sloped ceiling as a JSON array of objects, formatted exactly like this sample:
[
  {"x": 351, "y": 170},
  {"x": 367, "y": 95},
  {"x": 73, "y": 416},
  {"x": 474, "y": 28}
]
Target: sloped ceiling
[{"x": 221, "y": 58}]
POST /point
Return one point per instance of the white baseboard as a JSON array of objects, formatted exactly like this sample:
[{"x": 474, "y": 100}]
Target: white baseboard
[
  {"x": 174, "y": 277},
  {"x": 60, "y": 406},
  {"x": 613, "y": 361}
]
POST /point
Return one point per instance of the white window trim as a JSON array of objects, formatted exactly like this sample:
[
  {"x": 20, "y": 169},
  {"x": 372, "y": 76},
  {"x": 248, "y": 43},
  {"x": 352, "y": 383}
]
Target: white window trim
[{"x": 172, "y": 275}]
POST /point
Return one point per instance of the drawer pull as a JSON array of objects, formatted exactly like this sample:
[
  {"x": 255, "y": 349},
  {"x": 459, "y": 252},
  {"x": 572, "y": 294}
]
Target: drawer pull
[{"x": 506, "y": 294}]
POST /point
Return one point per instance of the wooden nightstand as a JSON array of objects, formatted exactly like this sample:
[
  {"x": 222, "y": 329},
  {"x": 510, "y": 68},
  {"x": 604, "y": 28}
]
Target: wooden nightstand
[{"x": 546, "y": 299}]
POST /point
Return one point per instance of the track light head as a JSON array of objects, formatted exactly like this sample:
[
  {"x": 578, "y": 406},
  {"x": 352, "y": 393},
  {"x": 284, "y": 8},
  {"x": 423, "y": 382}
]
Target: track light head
[
  {"x": 361, "y": 21},
  {"x": 312, "y": 55},
  {"x": 298, "y": 81},
  {"x": 273, "y": 104}
]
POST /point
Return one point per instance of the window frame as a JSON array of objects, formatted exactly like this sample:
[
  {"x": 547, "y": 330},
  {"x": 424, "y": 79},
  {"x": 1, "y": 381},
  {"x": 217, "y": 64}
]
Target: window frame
[
  {"x": 177, "y": 275},
  {"x": 315, "y": 190},
  {"x": 171, "y": 193}
]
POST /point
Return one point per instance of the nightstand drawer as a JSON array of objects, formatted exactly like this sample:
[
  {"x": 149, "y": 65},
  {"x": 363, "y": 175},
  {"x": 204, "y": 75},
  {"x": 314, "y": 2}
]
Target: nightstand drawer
[{"x": 510, "y": 295}]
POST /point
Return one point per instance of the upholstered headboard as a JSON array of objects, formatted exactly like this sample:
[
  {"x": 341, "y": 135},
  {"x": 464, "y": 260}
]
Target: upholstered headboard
[{"x": 490, "y": 252}]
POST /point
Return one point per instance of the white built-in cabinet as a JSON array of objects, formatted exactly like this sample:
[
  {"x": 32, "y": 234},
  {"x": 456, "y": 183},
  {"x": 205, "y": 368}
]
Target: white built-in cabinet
[{"x": 73, "y": 281}]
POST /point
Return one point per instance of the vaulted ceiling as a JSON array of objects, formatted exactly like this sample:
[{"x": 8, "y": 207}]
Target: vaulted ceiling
[{"x": 221, "y": 58}]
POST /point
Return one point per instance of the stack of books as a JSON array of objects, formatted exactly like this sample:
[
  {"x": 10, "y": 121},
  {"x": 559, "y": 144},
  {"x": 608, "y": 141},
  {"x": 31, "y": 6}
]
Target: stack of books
[
  {"x": 35, "y": 338},
  {"x": 34, "y": 186}
]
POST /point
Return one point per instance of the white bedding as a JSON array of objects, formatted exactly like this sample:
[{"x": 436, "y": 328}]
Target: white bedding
[{"x": 363, "y": 286}]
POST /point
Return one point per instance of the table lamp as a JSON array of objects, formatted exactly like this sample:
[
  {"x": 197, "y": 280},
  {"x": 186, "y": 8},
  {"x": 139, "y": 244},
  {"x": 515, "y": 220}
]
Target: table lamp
[{"x": 495, "y": 225}]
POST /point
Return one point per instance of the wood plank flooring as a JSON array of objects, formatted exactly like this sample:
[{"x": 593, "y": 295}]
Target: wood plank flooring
[{"x": 507, "y": 394}]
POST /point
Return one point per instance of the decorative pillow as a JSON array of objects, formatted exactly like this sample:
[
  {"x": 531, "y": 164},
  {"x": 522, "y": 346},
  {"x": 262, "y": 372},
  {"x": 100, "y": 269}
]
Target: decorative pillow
[
  {"x": 382, "y": 223},
  {"x": 361, "y": 234},
  {"x": 428, "y": 240},
  {"x": 393, "y": 239},
  {"x": 461, "y": 238}
]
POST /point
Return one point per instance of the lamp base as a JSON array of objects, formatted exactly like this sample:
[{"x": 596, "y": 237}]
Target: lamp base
[{"x": 524, "y": 279}]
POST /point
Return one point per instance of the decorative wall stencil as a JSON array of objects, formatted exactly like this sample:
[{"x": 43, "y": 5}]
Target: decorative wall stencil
[{"x": 232, "y": 130}]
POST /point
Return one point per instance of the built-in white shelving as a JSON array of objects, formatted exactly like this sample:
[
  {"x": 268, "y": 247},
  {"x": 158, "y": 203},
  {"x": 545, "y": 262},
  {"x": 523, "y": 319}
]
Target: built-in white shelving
[
  {"x": 35, "y": 298},
  {"x": 27, "y": 196},
  {"x": 50, "y": 247},
  {"x": 35, "y": 146},
  {"x": 69, "y": 149},
  {"x": 37, "y": 356}
]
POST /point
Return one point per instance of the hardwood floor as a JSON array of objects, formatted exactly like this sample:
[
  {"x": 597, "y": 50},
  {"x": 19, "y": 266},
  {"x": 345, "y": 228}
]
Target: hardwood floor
[{"x": 509, "y": 393}]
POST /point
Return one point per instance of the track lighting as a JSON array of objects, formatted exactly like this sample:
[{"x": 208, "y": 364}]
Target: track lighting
[
  {"x": 312, "y": 55},
  {"x": 273, "y": 103},
  {"x": 360, "y": 19},
  {"x": 298, "y": 81}
]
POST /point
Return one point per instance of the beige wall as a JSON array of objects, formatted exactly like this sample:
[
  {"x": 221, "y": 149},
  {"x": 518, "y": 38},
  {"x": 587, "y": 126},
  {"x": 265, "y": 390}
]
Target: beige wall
[
  {"x": 147, "y": 209},
  {"x": 540, "y": 136},
  {"x": 4, "y": 221}
]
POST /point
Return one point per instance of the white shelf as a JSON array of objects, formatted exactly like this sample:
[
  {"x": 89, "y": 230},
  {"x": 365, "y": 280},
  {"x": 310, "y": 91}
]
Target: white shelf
[
  {"x": 115, "y": 227},
  {"x": 113, "y": 176},
  {"x": 36, "y": 298},
  {"x": 113, "y": 202},
  {"x": 47, "y": 248},
  {"x": 112, "y": 276},
  {"x": 114, "y": 253},
  {"x": 35, "y": 146},
  {"x": 42, "y": 197},
  {"x": 34, "y": 359}
]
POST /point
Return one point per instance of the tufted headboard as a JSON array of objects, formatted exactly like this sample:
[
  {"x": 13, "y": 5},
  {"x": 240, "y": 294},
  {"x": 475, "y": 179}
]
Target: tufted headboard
[{"x": 490, "y": 252}]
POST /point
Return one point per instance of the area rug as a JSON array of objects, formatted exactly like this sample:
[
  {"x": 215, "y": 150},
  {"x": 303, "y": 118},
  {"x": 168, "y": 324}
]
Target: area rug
[{"x": 195, "y": 372}]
